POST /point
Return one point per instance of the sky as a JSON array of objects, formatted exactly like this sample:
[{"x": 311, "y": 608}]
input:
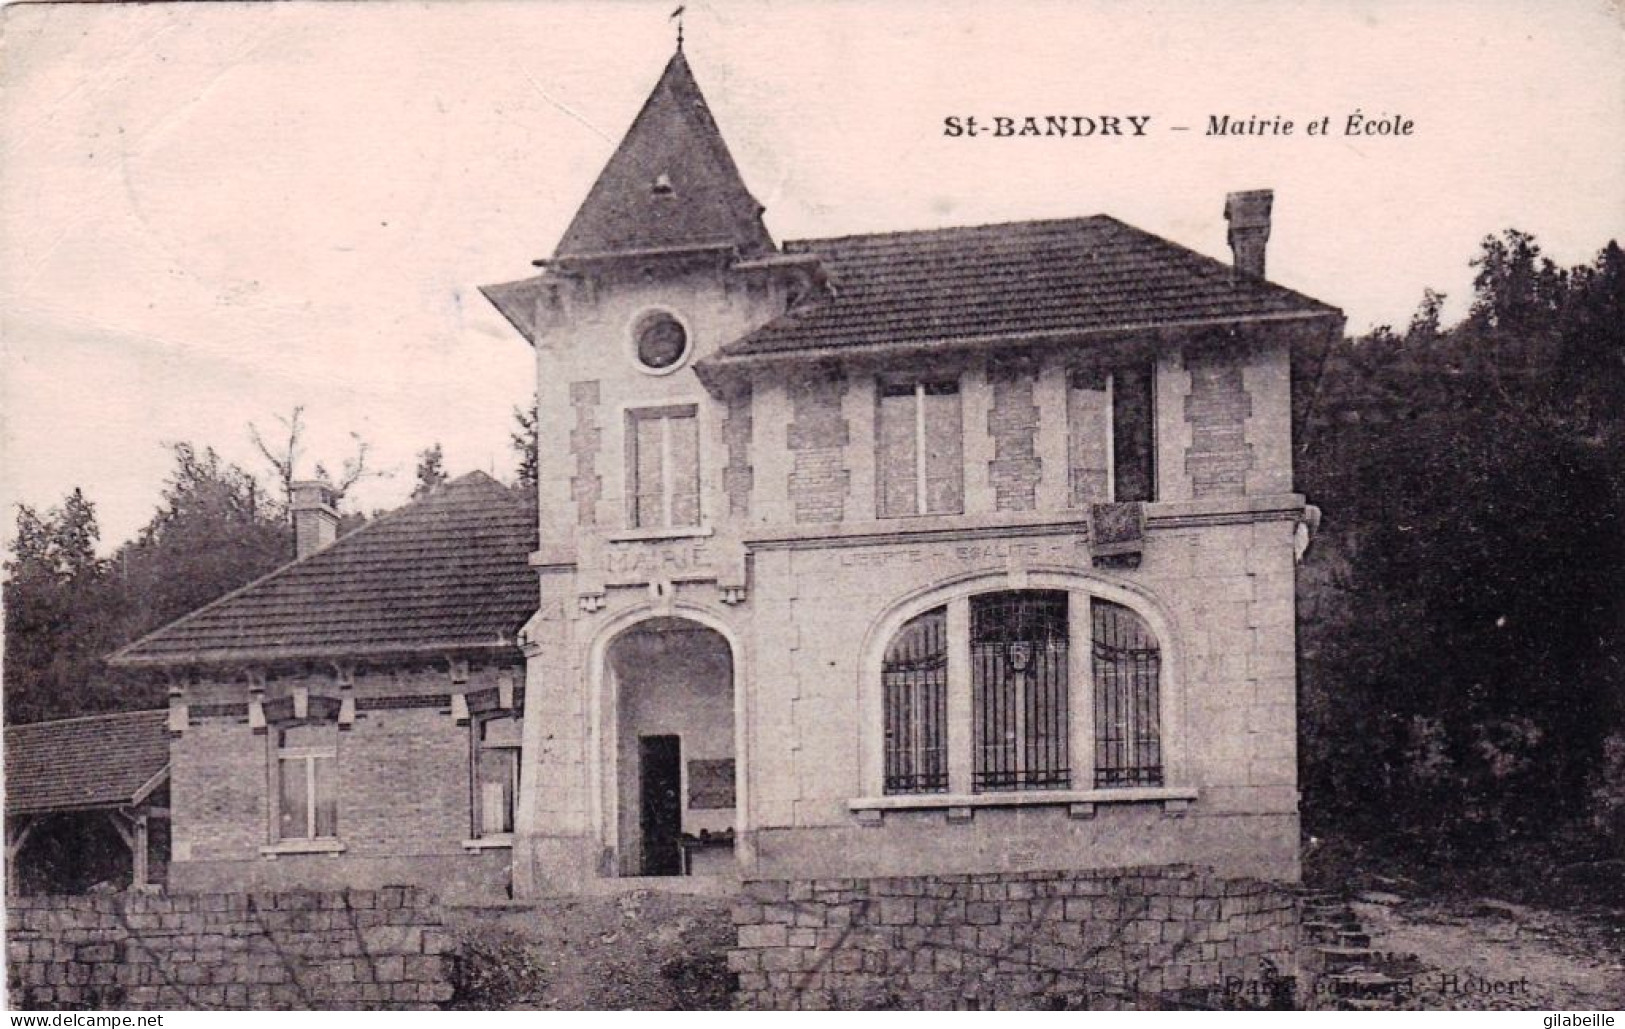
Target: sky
[{"x": 212, "y": 213}]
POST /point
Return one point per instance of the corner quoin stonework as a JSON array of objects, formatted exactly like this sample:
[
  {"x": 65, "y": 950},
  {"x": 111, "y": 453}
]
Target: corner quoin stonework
[
  {"x": 373, "y": 949},
  {"x": 1035, "y": 940}
]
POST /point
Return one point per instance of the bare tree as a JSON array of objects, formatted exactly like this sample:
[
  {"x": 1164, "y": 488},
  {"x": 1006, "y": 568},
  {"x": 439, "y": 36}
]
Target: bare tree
[{"x": 284, "y": 458}]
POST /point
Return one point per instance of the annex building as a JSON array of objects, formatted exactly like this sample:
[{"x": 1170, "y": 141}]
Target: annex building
[{"x": 959, "y": 550}]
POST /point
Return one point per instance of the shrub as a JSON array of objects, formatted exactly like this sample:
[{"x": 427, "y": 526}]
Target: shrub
[{"x": 494, "y": 969}]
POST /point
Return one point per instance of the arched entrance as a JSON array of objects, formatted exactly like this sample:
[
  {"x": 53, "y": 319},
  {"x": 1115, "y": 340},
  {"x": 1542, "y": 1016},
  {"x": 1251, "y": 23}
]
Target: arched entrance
[{"x": 671, "y": 798}]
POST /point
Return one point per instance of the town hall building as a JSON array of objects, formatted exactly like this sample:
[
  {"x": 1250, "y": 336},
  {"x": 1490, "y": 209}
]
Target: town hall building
[{"x": 958, "y": 550}]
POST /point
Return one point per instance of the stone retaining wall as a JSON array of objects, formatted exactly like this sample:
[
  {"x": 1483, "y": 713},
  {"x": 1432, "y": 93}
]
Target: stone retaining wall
[
  {"x": 354, "y": 949},
  {"x": 1168, "y": 937}
]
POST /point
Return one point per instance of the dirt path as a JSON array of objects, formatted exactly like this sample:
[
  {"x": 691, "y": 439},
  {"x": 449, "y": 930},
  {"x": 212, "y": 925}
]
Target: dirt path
[{"x": 1499, "y": 956}]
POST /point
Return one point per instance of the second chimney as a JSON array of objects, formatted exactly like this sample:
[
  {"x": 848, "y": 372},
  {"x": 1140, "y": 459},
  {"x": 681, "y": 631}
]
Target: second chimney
[
  {"x": 1249, "y": 217},
  {"x": 315, "y": 516}
]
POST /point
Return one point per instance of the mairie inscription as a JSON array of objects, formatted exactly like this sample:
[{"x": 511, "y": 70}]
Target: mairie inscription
[{"x": 627, "y": 563}]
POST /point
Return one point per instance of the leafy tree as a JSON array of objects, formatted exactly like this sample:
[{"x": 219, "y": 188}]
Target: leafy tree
[
  {"x": 524, "y": 441},
  {"x": 54, "y": 625}
]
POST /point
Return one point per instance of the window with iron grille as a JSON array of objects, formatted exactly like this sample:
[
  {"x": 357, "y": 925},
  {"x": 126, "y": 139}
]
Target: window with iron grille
[
  {"x": 663, "y": 467},
  {"x": 919, "y": 449},
  {"x": 1127, "y": 673},
  {"x": 1018, "y": 642},
  {"x": 914, "y": 685}
]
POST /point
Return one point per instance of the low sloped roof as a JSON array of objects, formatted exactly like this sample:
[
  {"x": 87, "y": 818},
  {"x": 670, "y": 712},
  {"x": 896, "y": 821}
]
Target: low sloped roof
[
  {"x": 447, "y": 572},
  {"x": 98, "y": 761},
  {"x": 1038, "y": 279}
]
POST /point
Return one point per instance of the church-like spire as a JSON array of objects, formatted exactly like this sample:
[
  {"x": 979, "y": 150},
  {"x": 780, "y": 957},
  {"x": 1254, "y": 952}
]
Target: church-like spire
[{"x": 670, "y": 185}]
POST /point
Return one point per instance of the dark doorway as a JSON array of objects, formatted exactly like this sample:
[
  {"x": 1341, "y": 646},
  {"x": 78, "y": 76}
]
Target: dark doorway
[{"x": 660, "y": 804}]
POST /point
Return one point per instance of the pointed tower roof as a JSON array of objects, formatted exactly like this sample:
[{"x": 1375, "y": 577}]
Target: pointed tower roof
[{"x": 670, "y": 185}]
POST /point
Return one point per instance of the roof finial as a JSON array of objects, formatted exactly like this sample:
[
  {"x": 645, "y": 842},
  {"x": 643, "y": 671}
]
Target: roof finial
[{"x": 678, "y": 15}]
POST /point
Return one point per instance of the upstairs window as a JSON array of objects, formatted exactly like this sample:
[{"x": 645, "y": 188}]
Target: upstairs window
[
  {"x": 307, "y": 794},
  {"x": 1111, "y": 430},
  {"x": 663, "y": 467},
  {"x": 1134, "y": 472},
  {"x": 919, "y": 449},
  {"x": 496, "y": 775}
]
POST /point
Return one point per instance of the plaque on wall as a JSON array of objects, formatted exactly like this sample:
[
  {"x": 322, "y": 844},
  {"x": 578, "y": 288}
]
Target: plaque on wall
[{"x": 711, "y": 784}]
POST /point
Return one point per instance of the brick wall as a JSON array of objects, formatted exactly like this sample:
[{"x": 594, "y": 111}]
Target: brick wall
[
  {"x": 404, "y": 795},
  {"x": 352, "y": 949},
  {"x": 1106, "y": 939},
  {"x": 1217, "y": 408},
  {"x": 1012, "y": 422},
  {"x": 819, "y": 479}
]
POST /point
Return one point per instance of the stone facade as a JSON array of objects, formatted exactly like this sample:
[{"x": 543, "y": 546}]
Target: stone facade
[
  {"x": 881, "y": 452},
  {"x": 364, "y": 949},
  {"x": 1036, "y": 940},
  {"x": 807, "y": 585}
]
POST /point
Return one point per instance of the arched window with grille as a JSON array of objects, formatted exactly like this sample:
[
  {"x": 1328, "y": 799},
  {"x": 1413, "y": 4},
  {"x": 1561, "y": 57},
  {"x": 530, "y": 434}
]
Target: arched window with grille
[
  {"x": 1018, "y": 644},
  {"x": 1127, "y": 701},
  {"x": 1051, "y": 688},
  {"x": 914, "y": 684}
]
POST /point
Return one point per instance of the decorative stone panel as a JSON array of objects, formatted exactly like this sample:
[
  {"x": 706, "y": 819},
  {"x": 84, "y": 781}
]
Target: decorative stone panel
[
  {"x": 737, "y": 476},
  {"x": 586, "y": 485},
  {"x": 1217, "y": 409},
  {"x": 817, "y": 437},
  {"x": 1012, "y": 422}
]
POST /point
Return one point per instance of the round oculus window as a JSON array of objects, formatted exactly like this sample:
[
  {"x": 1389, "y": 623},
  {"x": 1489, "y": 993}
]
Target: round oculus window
[{"x": 661, "y": 342}]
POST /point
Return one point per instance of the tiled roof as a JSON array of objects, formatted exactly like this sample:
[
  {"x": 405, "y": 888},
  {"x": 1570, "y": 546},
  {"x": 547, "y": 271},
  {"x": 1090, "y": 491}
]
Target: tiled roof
[
  {"x": 1034, "y": 279},
  {"x": 671, "y": 183},
  {"x": 446, "y": 572},
  {"x": 98, "y": 761}
]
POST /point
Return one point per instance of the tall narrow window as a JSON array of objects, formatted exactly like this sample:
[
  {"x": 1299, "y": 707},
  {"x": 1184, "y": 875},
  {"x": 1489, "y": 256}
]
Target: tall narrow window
[
  {"x": 1134, "y": 472},
  {"x": 1019, "y": 690},
  {"x": 1089, "y": 436},
  {"x": 307, "y": 795},
  {"x": 914, "y": 687},
  {"x": 1127, "y": 673},
  {"x": 663, "y": 465},
  {"x": 919, "y": 449},
  {"x": 496, "y": 775}
]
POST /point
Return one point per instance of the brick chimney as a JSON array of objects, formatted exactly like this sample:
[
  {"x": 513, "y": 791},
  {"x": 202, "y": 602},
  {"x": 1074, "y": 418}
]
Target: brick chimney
[
  {"x": 1249, "y": 217},
  {"x": 315, "y": 516}
]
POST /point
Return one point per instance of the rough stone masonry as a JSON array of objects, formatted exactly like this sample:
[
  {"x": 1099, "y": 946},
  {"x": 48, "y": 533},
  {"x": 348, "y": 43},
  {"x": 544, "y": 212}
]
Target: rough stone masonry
[
  {"x": 1107, "y": 939},
  {"x": 366, "y": 949}
]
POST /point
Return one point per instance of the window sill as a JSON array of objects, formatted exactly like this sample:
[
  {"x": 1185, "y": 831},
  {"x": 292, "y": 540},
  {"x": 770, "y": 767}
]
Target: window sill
[
  {"x": 302, "y": 847},
  {"x": 682, "y": 532},
  {"x": 503, "y": 841},
  {"x": 960, "y": 806}
]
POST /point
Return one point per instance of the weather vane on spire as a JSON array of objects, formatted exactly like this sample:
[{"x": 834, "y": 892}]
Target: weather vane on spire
[{"x": 677, "y": 15}]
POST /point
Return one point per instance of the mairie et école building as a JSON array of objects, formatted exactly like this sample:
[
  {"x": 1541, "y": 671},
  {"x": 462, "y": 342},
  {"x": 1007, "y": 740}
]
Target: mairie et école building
[{"x": 965, "y": 549}]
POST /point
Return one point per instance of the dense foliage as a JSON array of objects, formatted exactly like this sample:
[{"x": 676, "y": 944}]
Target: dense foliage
[
  {"x": 66, "y": 609},
  {"x": 1462, "y": 616}
]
